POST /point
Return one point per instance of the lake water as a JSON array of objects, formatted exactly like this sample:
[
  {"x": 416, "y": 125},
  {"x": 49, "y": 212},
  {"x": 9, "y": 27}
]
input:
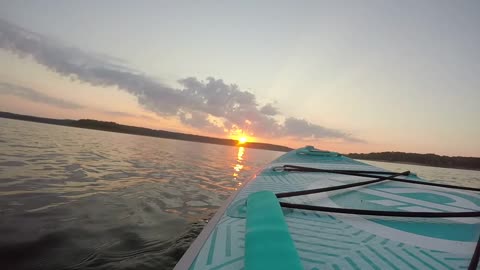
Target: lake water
[{"x": 82, "y": 199}]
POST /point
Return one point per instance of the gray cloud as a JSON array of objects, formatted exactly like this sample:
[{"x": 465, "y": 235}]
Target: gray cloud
[
  {"x": 199, "y": 120},
  {"x": 303, "y": 129},
  {"x": 124, "y": 114},
  {"x": 118, "y": 114},
  {"x": 269, "y": 109},
  {"x": 33, "y": 95},
  {"x": 194, "y": 103}
]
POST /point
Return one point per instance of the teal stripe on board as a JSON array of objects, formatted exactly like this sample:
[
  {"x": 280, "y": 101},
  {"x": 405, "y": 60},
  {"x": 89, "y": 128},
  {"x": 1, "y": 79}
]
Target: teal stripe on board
[
  {"x": 352, "y": 263},
  {"x": 326, "y": 230},
  {"x": 320, "y": 245},
  {"x": 323, "y": 238},
  {"x": 435, "y": 259},
  {"x": 318, "y": 252},
  {"x": 369, "y": 238},
  {"x": 456, "y": 259},
  {"x": 372, "y": 264},
  {"x": 418, "y": 259},
  {"x": 311, "y": 260},
  {"x": 226, "y": 263},
  {"x": 400, "y": 258},
  {"x": 228, "y": 250},
  {"x": 385, "y": 260},
  {"x": 329, "y": 226},
  {"x": 212, "y": 247}
]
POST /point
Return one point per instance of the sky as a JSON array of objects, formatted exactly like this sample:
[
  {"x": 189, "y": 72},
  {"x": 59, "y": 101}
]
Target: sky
[{"x": 347, "y": 76}]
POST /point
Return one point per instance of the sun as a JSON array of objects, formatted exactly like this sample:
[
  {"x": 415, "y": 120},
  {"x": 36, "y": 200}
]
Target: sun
[{"x": 242, "y": 140}]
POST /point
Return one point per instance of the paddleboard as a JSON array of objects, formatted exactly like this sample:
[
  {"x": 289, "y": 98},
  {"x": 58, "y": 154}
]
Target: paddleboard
[{"x": 259, "y": 229}]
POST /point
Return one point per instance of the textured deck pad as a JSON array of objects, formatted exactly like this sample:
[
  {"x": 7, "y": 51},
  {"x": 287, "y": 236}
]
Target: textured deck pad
[
  {"x": 335, "y": 241},
  {"x": 268, "y": 244}
]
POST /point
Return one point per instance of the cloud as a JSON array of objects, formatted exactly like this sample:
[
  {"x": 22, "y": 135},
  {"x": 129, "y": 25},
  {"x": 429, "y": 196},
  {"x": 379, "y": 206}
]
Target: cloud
[
  {"x": 33, "y": 95},
  {"x": 117, "y": 113},
  {"x": 303, "y": 129},
  {"x": 209, "y": 104},
  {"x": 90, "y": 68},
  {"x": 226, "y": 101},
  {"x": 268, "y": 109},
  {"x": 200, "y": 120}
]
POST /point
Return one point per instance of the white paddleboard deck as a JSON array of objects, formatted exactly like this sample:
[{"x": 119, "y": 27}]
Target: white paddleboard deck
[{"x": 341, "y": 241}]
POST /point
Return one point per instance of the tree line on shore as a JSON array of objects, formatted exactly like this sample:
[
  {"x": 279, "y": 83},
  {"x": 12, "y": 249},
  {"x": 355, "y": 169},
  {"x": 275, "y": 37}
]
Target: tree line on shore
[
  {"x": 472, "y": 163},
  {"x": 119, "y": 128}
]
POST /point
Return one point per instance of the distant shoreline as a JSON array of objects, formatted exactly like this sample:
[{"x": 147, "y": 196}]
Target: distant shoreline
[
  {"x": 420, "y": 164},
  {"x": 432, "y": 160},
  {"x": 119, "y": 128}
]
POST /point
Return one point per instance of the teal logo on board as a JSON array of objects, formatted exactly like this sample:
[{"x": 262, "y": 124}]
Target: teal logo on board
[{"x": 417, "y": 200}]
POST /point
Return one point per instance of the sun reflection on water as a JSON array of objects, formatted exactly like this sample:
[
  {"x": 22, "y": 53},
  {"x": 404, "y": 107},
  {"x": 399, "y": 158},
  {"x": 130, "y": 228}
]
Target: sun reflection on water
[{"x": 238, "y": 166}]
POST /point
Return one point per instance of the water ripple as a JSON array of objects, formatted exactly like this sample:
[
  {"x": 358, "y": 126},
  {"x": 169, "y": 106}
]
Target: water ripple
[{"x": 81, "y": 199}]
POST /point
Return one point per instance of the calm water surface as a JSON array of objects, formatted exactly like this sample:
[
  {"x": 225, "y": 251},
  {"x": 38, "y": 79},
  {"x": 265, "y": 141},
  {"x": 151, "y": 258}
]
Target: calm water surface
[
  {"x": 78, "y": 199},
  {"x": 82, "y": 199}
]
